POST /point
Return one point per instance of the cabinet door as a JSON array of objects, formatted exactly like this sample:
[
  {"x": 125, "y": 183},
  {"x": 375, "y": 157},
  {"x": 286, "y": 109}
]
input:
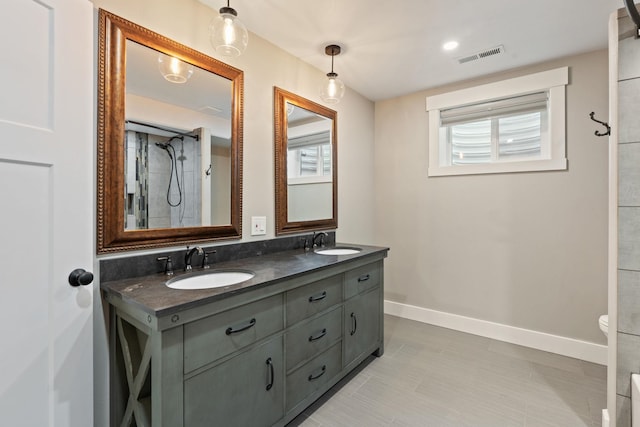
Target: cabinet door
[
  {"x": 246, "y": 390},
  {"x": 362, "y": 324}
]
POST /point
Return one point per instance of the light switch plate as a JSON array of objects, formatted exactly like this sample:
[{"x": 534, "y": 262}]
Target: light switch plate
[{"x": 258, "y": 225}]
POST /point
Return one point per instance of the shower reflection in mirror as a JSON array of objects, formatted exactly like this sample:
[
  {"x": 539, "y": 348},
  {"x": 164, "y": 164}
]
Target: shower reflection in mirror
[{"x": 173, "y": 179}]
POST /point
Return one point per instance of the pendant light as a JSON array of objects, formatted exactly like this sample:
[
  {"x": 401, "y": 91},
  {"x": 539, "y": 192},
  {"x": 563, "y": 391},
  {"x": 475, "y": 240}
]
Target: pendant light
[
  {"x": 227, "y": 33},
  {"x": 174, "y": 70},
  {"x": 332, "y": 90}
]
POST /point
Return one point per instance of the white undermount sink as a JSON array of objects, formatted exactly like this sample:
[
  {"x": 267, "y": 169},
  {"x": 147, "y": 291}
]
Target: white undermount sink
[
  {"x": 338, "y": 250},
  {"x": 214, "y": 279}
]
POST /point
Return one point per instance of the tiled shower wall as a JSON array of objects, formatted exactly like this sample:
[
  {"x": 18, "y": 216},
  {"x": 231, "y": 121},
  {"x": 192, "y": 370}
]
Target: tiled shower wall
[
  {"x": 187, "y": 214},
  {"x": 628, "y": 329}
]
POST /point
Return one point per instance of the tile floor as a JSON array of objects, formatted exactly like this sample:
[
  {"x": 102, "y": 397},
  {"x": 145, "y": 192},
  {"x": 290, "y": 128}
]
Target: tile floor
[{"x": 432, "y": 376}]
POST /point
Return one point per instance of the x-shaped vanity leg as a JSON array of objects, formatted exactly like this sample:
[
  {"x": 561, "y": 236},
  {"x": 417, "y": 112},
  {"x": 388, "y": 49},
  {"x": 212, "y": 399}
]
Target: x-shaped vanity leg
[{"x": 135, "y": 380}]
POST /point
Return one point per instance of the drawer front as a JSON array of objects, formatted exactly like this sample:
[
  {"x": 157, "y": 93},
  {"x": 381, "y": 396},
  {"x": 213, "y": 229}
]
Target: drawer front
[
  {"x": 313, "y": 375},
  {"x": 313, "y": 298},
  {"x": 361, "y": 279},
  {"x": 311, "y": 338},
  {"x": 213, "y": 337}
]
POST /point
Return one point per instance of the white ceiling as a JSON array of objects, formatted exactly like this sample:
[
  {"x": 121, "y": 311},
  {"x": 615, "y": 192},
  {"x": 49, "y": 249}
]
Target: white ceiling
[
  {"x": 393, "y": 47},
  {"x": 205, "y": 92}
]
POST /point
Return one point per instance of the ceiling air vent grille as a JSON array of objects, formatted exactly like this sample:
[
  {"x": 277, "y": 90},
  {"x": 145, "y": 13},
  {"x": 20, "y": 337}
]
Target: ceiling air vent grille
[{"x": 483, "y": 54}]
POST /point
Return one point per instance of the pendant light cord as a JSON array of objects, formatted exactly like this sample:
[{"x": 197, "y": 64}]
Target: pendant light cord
[{"x": 332, "y": 50}]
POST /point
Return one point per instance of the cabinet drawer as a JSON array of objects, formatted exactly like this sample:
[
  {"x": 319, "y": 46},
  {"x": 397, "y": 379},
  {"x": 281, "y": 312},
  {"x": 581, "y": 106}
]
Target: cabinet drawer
[
  {"x": 360, "y": 279},
  {"x": 208, "y": 339},
  {"x": 313, "y": 298},
  {"x": 311, "y": 338},
  {"x": 313, "y": 375}
]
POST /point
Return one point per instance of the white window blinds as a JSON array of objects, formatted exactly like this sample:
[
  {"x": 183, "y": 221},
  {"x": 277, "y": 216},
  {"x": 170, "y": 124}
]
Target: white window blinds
[
  {"x": 496, "y": 108},
  {"x": 497, "y": 130}
]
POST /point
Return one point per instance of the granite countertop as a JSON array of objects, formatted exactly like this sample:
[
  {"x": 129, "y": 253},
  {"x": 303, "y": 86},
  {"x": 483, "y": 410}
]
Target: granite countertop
[{"x": 150, "y": 293}]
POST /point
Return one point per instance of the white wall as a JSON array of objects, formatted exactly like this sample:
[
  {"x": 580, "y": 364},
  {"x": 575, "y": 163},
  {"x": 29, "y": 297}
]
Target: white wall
[{"x": 527, "y": 250}]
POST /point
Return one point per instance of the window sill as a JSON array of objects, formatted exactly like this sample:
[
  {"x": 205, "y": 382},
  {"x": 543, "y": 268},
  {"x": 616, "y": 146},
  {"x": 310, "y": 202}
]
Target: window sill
[
  {"x": 497, "y": 167},
  {"x": 303, "y": 180}
]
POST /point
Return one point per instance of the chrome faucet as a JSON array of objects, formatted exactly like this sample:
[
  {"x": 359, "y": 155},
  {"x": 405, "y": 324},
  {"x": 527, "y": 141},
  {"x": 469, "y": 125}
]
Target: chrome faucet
[
  {"x": 189, "y": 254},
  {"x": 318, "y": 237}
]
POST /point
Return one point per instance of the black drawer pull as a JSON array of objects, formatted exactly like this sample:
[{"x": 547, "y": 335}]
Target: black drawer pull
[
  {"x": 317, "y": 337},
  {"x": 364, "y": 278},
  {"x": 322, "y": 295},
  {"x": 318, "y": 375},
  {"x": 234, "y": 329},
  {"x": 271, "y": 373},
  {"x": 354, "y": 323}
]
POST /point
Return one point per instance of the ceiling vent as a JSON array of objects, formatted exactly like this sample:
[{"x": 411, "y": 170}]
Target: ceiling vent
[
  {"x": 208, "y": 109},
  {"x": 482, "y": 54}
]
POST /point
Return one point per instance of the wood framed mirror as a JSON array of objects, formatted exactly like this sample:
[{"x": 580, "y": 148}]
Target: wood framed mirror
[
  {"x": 170, "y": 123},
  {"x": 306, "y": 164}
]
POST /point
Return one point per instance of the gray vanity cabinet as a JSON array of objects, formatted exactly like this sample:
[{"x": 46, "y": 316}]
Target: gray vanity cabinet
[{"x": 255, "y": 358}]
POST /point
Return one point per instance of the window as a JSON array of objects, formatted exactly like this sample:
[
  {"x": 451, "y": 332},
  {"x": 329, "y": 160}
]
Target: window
[
  {"x": 309, "y": 158},
  {"x": 514, "y": 125}
]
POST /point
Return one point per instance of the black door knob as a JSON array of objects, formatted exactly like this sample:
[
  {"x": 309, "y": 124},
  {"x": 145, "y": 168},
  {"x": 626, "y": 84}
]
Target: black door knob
[{"x": 79, "y": 276}]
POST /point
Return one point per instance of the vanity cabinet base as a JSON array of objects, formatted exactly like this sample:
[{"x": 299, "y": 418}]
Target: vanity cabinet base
[{"x": 280, "y": 349}]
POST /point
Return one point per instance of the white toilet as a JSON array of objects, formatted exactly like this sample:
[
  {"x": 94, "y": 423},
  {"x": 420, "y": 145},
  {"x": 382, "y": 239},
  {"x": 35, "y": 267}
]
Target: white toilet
[{"x": 603, "y": 321}]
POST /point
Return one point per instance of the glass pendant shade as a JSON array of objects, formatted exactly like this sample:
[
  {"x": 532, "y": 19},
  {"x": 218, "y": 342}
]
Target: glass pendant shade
[
  {"x": 173, "y": 69},
  {"x": 333, "y": 89},
  {"x": 227, "y": 34}
]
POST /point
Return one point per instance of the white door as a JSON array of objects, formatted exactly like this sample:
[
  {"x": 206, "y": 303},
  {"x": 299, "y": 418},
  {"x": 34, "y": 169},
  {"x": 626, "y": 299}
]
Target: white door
[{"x": 46, "y": 212}]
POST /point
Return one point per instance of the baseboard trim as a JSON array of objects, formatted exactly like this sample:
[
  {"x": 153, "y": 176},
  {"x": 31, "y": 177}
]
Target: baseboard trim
[
  {"x": 605, "y": 418},
  {"x": 591, "y": 352}
]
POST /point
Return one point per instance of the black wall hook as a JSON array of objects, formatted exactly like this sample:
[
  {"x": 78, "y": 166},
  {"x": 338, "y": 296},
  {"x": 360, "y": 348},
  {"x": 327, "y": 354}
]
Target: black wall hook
[
  {"x": 608, "y": 132},
  {"x": 632, "y": 10}
]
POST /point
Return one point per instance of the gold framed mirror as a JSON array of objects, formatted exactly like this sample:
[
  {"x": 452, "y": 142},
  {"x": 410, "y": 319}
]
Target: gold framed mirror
[
  {"x": 170, "y": 123},
  {"x": 306, "y": 164}
]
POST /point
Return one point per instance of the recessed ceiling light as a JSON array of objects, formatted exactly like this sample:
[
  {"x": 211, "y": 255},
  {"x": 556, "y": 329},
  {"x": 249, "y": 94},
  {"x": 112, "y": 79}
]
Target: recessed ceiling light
[{"x": 450, "y": 45}]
